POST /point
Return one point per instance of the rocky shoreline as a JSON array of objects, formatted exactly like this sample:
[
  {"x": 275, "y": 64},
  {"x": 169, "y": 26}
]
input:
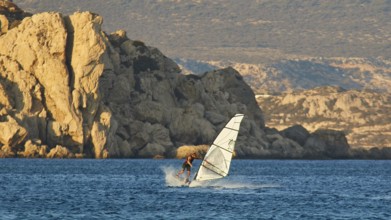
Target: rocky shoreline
[
  {"x": 70, "y": 90},
  {"x": 362, "y": 114}
]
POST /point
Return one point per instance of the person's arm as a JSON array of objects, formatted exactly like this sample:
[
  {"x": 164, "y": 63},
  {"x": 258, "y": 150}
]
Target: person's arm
[{"x": 188, "y": 161}]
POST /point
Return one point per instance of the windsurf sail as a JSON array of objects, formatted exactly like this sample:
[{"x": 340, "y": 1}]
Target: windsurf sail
[{"x": 217, "y": 160}]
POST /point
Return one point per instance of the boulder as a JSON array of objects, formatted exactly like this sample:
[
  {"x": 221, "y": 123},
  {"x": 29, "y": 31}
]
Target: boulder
[
  {"x": 11, "y": 133},
  {"x": 6, "y": 152},
  {"x": 329, "y": 143},
  {"x": 152, "y": 150},
  {"x": 34, "y": 149},
  {"x": 60, "y": 152},
  {"x": 297, "y": 133},
  {"x": 286, "y": 148},
  {"x": 153, "y": 135},
  {"x": 315, "y": 148},
  {"x": 188, "y": 127},
  {"x": 125, "y": 150}
]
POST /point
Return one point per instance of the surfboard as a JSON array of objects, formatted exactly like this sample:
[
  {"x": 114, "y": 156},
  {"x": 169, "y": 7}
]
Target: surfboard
[{"x": 183, "y": 181}]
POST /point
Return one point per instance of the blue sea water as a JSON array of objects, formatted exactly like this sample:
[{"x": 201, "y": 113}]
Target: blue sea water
[{"x": 145, "y": 189}]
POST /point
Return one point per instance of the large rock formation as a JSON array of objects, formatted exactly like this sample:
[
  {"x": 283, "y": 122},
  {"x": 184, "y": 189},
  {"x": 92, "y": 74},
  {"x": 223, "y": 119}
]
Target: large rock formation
[
  {"x": 362, "y": 115},
  {"x": 67, "y": 89}
]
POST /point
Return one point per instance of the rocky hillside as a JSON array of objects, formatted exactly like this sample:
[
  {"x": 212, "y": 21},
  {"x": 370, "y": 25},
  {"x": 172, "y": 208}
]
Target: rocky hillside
[
  {"x": 68, "y": 89},
  {"x": 301, "y": 94},
  {"x": 305, "y": 73},
  {"x": 363, "y": 115}
]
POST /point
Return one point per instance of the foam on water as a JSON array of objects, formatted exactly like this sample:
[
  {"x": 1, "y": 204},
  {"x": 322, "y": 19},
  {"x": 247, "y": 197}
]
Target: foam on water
[
  {"x": 381, "y": 198},
  {"x": 230, "y": 184},
  {"x": 170, "y": 177},
  {"x": 173, "y": 181}
]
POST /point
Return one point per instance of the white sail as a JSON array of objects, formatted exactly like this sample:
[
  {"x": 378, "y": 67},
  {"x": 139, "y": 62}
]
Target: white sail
[{"x": 217, "y": 160}]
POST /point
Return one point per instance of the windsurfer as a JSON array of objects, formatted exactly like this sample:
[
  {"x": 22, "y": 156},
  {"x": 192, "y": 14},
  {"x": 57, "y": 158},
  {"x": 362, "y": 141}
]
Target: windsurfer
[{"x": 187, "y": 165}]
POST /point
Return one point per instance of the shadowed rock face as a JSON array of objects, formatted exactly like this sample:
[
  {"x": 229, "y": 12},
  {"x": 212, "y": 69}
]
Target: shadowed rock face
[
  {"x": 68, "y": 89},
  {"x": 10, "y": 15}
]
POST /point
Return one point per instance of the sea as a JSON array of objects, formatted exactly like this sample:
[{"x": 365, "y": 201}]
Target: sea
[{"x": 148, "y": 189}]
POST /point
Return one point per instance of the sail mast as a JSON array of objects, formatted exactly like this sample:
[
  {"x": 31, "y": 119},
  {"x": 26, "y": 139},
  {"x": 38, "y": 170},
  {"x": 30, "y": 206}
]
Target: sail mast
[{"x": 217, "y": 160}]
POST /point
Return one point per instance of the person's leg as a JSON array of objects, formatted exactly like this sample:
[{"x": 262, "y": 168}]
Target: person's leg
[
  {"x": 180, "y": 172},
  {"x": 188, "y": 174}
]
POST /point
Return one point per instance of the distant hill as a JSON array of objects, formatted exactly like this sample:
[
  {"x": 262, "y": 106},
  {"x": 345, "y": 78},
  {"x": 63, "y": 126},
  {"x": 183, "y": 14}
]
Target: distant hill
[
  {"x": 250, "y": 31},
  {"x": 301, "y": 74}
]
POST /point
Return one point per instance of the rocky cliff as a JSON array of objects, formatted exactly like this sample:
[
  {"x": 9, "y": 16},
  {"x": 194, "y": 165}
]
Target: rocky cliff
[{"x": 68, "y": 89}]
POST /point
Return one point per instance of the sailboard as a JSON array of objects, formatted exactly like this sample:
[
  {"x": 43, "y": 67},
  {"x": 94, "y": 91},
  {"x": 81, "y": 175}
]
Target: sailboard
[{"x": 217, "y": 160}]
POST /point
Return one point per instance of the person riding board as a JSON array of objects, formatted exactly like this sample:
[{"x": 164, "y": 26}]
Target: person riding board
[{"x": 187, "y": 165}]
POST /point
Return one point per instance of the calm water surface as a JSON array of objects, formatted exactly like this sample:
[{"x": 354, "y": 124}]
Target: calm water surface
[{"x": 143, "y": 189}]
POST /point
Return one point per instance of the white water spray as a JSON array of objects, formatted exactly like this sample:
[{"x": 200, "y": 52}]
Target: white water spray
[{"x": 173, "y": 181}]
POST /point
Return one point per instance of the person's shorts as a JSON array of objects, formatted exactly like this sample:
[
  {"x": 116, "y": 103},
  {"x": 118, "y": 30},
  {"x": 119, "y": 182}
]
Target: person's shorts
[{"x": 186, "y": 166}]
